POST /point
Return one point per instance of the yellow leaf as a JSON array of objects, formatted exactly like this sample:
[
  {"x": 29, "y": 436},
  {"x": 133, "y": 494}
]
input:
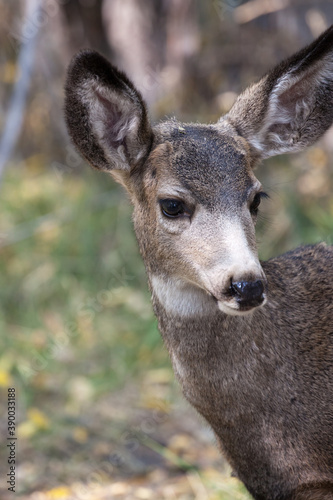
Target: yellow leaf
[
  {"x": 26, "y": 429},
  {"x": 59, "y": 492},
  {"x": 5, "y": 379},
  {"x": 38, "y": 418}
]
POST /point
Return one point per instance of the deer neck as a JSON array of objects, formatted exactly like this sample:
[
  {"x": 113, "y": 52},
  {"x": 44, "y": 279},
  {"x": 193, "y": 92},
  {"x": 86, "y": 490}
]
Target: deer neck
[
  {"x": 205, "y": 345},
  {"x": 190, "y": 320}
]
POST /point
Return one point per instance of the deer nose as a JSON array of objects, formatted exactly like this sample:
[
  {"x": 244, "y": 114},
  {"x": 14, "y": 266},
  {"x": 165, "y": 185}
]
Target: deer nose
[{"x": 248, "y": 293}]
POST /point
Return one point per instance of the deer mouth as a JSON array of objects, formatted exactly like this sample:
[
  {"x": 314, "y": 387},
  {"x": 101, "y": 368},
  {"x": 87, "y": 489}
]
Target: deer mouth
[{"x": 234, "y": 308}]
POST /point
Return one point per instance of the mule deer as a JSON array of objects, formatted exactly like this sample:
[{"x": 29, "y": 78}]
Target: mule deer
[{"x": 251, "y": 342}]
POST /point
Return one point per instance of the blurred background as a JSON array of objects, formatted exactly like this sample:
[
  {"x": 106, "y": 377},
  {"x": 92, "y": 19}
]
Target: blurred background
[{"x": 99, "y": 415}]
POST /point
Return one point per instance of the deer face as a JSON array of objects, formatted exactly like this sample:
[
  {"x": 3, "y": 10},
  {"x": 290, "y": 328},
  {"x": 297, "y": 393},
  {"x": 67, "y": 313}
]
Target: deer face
[{"x": 195, "y": 215}]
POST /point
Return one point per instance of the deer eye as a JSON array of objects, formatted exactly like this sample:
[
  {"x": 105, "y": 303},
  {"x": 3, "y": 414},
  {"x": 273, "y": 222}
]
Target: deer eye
[
  {"x": 256, "y": 202},
  {"x": 172, "y": 208}
]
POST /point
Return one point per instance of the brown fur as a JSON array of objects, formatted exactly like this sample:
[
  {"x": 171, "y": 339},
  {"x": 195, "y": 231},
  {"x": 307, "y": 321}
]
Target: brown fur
[{"x": 251, "y": 343}]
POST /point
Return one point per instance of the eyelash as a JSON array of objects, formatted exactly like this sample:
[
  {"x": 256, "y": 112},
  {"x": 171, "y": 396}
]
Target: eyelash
[
  {"x": 254, "y": 207},
  {"x": 173, "y": 208}
]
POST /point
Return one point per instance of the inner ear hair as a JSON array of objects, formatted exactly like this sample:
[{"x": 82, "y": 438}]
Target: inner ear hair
[
  {"x": 105, "y": 114},
  {"x": 292, "y": 106}
]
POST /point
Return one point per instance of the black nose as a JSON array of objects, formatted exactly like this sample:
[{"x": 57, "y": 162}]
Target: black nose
[{"x": 248, "y": 293}]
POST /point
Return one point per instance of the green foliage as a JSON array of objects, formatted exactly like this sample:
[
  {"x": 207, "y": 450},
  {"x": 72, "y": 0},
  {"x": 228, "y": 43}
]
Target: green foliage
[{"x": 75, "y": 298}]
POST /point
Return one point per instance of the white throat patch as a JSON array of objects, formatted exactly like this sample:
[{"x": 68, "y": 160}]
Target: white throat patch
[{"x": 180, "y": 298}]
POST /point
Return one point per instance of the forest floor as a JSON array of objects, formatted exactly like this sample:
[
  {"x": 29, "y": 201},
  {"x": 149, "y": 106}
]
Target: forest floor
[{"x": 132, "y": 444}]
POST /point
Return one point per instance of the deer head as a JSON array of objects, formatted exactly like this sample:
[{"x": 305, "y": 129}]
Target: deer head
[{"x": 192, "y": 186}]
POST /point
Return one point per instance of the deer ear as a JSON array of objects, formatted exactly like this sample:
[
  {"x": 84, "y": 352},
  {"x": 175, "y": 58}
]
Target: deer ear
[
  {"x": 105, "y": 115},
  {"x": 292, "y": 106}
]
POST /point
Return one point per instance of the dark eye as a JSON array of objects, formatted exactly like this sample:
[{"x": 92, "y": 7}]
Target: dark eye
[
  {"x": 172, "y": 208},
  {"x": 256, "y": 202}
]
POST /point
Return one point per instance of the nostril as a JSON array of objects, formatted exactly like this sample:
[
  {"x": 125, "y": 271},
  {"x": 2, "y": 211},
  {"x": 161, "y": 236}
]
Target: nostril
[
  {"x": 250, "y": 292},
  {"x": 236, "y": 287}
]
